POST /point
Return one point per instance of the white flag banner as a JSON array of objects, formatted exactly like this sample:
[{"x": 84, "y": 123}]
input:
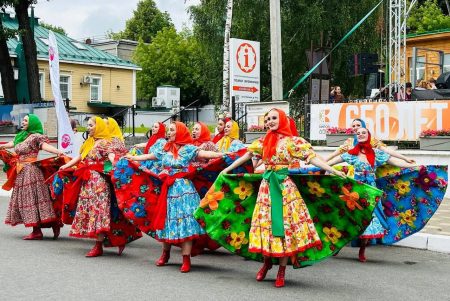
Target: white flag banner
[{"x": 66, "y": 135}]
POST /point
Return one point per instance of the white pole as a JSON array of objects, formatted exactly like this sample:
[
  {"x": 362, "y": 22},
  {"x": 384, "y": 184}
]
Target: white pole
[{"x": 275, "y": 50}]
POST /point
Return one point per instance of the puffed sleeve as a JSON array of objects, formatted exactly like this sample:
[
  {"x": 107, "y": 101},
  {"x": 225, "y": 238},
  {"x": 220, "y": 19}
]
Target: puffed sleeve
[
  {"x": 256, "y": 147},
  {"x": 236, "y": 145},
  {"x": 300, "y": 148},
  {"x": 37, "y": 140},
  {"x": 104, "y": 148},
  {"x": 348, "y": 144},
  {"x": 158, "y": 148},
  {"x": 381, "y": 157},
  {"x": 189, "y": 152},
  {"x": 208, "y": 146},
  {"x": 350, "y": 159}
]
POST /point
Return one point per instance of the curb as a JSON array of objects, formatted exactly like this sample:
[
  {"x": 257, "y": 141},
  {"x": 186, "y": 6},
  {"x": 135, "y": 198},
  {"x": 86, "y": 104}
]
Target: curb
[{"x": 425, "y": 241}]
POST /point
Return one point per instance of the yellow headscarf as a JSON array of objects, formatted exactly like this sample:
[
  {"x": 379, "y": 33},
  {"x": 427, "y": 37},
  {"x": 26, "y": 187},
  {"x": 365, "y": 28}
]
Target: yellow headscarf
[
  {"x": 101, "y": 132},
  {"x": 225, "y": 142},
  {"x": 114, "y": 129}
]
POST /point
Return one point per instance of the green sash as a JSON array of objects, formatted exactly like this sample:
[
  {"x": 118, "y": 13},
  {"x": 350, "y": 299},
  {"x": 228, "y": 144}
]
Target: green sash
[{"x": 275, "y": 178}]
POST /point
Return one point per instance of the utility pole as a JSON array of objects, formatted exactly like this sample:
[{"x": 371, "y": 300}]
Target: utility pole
[{"x": 275, "y": 50}]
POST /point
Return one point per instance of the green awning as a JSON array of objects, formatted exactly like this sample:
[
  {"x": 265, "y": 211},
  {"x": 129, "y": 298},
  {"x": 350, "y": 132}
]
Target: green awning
[{"x": 104, "y": 104}]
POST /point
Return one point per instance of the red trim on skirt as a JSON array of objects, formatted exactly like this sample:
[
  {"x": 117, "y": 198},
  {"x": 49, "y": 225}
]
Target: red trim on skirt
[{"x": 289, "y": 254}]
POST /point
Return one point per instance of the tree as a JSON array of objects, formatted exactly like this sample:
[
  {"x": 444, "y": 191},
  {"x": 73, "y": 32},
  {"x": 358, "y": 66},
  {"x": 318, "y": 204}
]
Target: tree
[
  {"x": 427, "y": 16},
  {"x": 29, "y": 47},
  {"x": 226, "y": 58},
  {"x": 171, "y": 59},
  {"x": 146, "y": 22},
  {"x": 53, "y": 28},
  {"x": 6, "y": 68}
]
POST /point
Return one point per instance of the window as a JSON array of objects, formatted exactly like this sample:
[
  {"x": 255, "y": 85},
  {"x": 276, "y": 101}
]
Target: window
[
  {"x": 447, "y": 62},
  {"x": 45, "y": 41},
  {"x": 65, "y": 86},
  {"x": 42, "y": 84},
  {"x": 79, "y": 45},
  {"x": 96, "y": 89},
  {"x": 420, "y": 68}
]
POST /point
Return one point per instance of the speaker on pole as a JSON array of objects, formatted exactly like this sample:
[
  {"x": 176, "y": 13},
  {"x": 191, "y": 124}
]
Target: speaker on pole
[{"x": 443, "y": 81}]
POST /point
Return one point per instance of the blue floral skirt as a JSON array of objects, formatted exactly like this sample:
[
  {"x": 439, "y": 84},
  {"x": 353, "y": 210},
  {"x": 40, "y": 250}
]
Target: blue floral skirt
[{"x": 180, "y": 225}]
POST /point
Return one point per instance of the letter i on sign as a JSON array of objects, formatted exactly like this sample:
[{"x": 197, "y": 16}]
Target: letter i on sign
[{"x": 246, "y": 57}]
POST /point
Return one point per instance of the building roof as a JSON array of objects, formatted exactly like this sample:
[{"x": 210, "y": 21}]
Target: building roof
[
  {"x": 70, "y": 50},
  {"x": 427, "y": 33}
]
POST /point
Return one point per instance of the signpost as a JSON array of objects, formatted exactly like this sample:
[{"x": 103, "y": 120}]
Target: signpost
[{"x": 245, "y": 70}]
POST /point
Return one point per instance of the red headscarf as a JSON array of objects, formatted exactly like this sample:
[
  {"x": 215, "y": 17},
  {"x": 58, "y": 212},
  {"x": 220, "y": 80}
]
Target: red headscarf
[
  {"x": 182, "y": 137},
  {"x": 153, "y": 138},
  {"x": 205, "y": 135},
  {"x": 221, "y": 133},
  {"x": 271, "y": 138},
  {"x": 366, "y": 149},
  {"x": 293, "y": 126}
]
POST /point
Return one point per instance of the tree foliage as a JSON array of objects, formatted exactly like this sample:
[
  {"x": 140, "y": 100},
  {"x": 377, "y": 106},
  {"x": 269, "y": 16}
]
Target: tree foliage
[
  {"x": 302, "y": 23},
  {"x": 53, "y": 28},
  {"x": 147, "y": 20},
  {"x": 428, "y": 16},
  {"x": 171, "y": 59}
]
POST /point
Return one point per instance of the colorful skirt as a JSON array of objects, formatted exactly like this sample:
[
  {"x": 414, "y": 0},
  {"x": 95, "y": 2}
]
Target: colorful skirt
[
  {"x": 30, "y": 202},
  {"x": 339, "y": 211},
  {"x": 180, "y": 224},
  {"x": 300, "y": 233}
]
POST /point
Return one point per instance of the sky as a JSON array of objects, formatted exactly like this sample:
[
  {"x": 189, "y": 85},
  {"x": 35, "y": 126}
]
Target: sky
[{"x": 93, "y": 18}]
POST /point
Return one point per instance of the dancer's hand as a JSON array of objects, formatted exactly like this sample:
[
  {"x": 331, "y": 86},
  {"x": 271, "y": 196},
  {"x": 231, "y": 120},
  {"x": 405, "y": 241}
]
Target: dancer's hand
[
  {"x": 410, "y": 160},
  {"x": 340, "y": 174}
]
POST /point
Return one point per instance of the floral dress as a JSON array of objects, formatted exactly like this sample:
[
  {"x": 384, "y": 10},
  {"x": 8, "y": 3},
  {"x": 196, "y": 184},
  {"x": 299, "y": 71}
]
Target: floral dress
[
  {"x": 299, "y": 230},
  {"x": 92, "y": 215},
  {"x": 182, "y": 197},
  {"x": 206, "y": 146},
  {"x": 365, "y": 173},
  {"x": 30, "y": 202}
]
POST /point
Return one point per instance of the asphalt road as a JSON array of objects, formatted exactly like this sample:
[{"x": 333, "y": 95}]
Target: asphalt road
[{"x": 58, "y": 270}]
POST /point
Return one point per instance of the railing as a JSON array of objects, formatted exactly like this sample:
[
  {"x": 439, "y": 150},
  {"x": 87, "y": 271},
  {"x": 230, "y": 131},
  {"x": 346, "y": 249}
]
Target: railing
[
  {"x": 126, "y": 118},
  {"x": 174, "y": 116}
]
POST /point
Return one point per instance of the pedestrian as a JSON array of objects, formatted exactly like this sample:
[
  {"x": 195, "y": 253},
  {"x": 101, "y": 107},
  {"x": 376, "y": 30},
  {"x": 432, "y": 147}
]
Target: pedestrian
[
  {"x": 30, "y": 202},
  {"x": 172, "y": 216},
  {"x": 92, "y": 192},
  {"x": 336, "y": 95},
  {"x": 230, "y": 141},
  {"x": 272, "y": 216},
  {"x": 365, "y": 159}
]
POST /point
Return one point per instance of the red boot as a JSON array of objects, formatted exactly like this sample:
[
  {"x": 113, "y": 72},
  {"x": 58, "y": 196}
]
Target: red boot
[
  {"x": 186, "y": 266},
  {"x": 279, "y": 282},
  {"x": 362, "y": 256},
  {"x": 97, "y": 250},
  {"x": 35, "y": 235},
  {"x": 164, "y": 258},
  {"x": 265, "y": 268},
  {"x": 121, "y": 248}
]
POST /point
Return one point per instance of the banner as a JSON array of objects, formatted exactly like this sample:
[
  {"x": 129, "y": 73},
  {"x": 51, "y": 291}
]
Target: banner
[
  {"x": 65, "y": 132},
  {"x": 385, "y": 120}
]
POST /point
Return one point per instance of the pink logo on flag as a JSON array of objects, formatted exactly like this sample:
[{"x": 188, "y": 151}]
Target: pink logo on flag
[
  {"x": 65, "y": 141},
  {"x": 51, "y": 53}
]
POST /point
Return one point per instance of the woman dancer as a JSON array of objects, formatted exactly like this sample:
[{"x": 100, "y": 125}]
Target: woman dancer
[
  {"x": 285, "y": 209},
  {"x": 173, "y": 217},
  {"x": 30, "y": 202},
  {"x": 365, "y": 159},
  {"x": 220, "y": 130},
  {"x": 158, "y": 132},
  {"x": 351, "y": 142},
  {"x": 202, "y": 139},
  {"x": 93, "y": 209},
  {"x": 230, "y": 141}
]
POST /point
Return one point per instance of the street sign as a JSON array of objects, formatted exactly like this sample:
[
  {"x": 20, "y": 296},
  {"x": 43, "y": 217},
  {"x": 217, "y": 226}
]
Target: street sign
[{"x": 244, "y": 70}]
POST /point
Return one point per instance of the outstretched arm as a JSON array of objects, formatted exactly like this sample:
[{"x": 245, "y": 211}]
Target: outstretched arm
[
  {"x": 51, "y": 149},
  {"x": 141, "y": 157},
  {"x": 335, "y": 160},
  {"x": 202, "y": 154},
  {"x": 333, "y": 155},
  {"x": 321, "y": 164},
  {"x": 71, "y": 163},
  {"x": 400, "y": 163},
  {"x": 247, "y": 156},
  {"x": 10, "y": 144},
  {"x": 395, "y": 154},
  {"x": 140, "y": 145}
]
